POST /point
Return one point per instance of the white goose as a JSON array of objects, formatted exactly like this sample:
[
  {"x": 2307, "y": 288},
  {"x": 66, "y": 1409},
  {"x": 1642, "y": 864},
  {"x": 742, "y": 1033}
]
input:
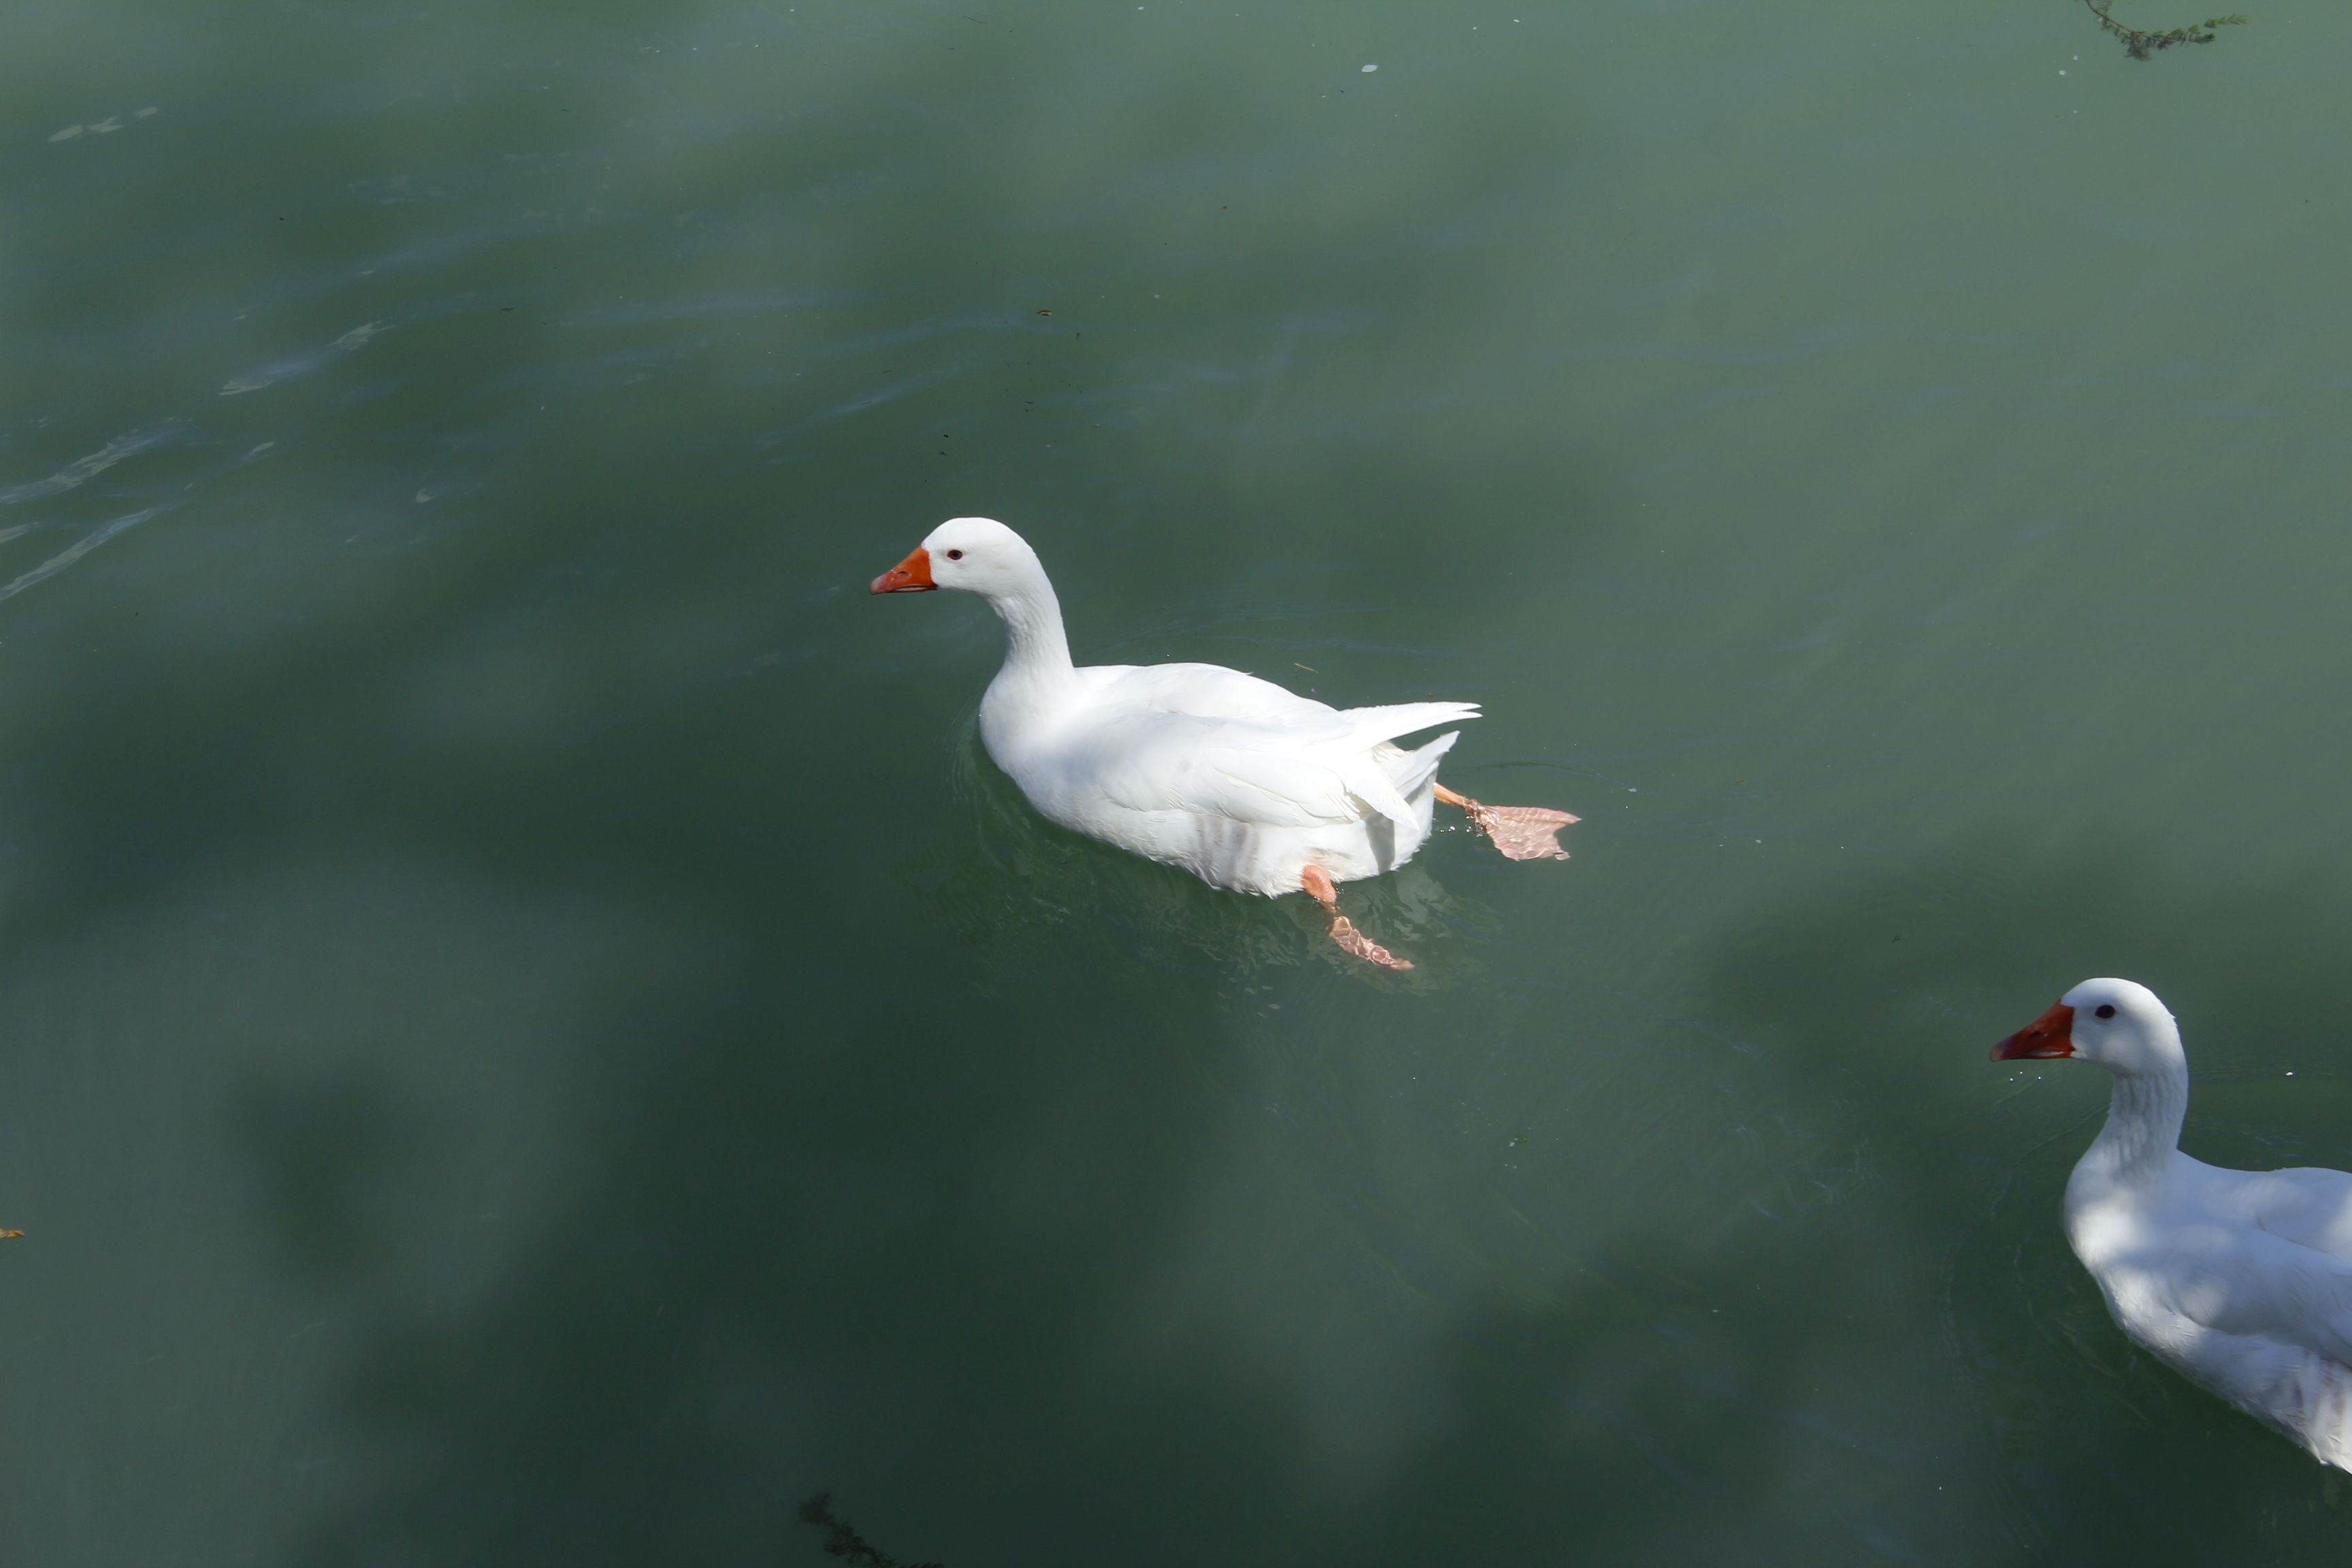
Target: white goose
[
  {"x": 1241, "y": 783},
  {"x": 2240, "y": 1280}
]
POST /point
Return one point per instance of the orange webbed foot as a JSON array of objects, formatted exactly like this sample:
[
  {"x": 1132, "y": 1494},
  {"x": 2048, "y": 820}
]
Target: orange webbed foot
[
  {"x": 1520, "y": 832},
  {"x": 1319, "y": 887}
]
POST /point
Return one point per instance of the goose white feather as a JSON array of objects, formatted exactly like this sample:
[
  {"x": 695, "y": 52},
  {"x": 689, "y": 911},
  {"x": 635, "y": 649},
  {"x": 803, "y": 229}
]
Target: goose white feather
[
  {"x": 2240, "y": 1280},
  {"x": 1242, "y": 783}
]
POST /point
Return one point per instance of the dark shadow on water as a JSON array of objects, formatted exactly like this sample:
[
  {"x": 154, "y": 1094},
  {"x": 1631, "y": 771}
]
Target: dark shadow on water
[{"x": 320, "y": 1145}]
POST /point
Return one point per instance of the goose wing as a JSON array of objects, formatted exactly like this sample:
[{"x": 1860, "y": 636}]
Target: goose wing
[
  {"x": 1204, "y": 739},
  {"x": 1207, "y": 691},
  {"x": 1293, "y": 775},
  {"x": 1213, "y": 691},
  {"x": 2308, "y": 1206},
  {"x": 1221, "y": 768},
  {"x": 2251, "y": 1281}
]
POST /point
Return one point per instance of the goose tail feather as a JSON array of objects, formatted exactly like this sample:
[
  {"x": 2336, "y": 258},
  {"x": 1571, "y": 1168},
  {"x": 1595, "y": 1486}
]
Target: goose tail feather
[{"x": 1386, "y": 723}]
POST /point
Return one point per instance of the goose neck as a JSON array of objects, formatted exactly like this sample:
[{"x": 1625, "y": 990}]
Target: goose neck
[
  {"x": 1037, "y": 649},
  {"x": 2143, "y": 1130}
]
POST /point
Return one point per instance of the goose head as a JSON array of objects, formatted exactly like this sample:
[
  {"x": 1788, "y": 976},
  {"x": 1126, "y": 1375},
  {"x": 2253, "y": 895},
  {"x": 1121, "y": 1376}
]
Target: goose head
[
  {"x": 2117, "y": 1023},
  {"x": 977, "y": 554}
]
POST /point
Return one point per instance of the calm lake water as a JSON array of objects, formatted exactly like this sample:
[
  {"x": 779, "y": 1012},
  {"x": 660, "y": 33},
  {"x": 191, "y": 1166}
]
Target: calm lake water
[{"x": 535, "y": 1036}]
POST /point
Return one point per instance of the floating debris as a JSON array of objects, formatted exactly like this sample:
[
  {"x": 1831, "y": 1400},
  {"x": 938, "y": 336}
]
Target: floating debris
[{"x": 840, "y": 1541}]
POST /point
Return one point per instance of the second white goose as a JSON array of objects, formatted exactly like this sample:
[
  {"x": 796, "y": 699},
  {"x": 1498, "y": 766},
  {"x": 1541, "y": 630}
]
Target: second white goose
[
  {"x": 2240, "y": 1281},
  {"x": 1243, "y": 783}
]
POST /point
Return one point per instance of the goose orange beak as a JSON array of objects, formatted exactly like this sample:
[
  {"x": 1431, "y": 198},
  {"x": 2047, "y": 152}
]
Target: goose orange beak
[
  {"x": 2051, "y": 1035},
  {"x": 913, "y": 575}
]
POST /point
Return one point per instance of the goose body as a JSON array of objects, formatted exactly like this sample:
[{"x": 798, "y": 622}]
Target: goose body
[
  {"x": 2240, "y": 1281},
  {"x": 1233, "y": 778},
  {"x": 1243, "y": 784}
]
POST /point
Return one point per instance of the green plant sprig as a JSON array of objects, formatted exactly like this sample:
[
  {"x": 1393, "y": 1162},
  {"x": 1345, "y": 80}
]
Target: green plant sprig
[{"x": 2141, "y": 45}]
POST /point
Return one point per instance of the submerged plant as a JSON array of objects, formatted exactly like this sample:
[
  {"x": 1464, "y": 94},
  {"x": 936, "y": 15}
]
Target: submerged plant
[
  {"x": 2141, "y": 45},
  {"x": 840, "y": 1541}
]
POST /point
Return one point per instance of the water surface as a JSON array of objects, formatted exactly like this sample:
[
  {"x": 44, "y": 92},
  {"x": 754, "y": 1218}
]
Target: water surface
[{"x": 535, "y": 1036}]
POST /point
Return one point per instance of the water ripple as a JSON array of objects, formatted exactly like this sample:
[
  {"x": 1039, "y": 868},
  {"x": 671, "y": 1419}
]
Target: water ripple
[
  {"x": 85, "y": 468},
  {"x": 302, "y": 364},
  {"x": 76, "y": 550}
]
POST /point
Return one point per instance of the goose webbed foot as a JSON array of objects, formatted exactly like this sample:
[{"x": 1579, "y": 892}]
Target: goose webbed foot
[
  {"x": 1319, "y": 887},
  {"x": 1520, "y": 832}
]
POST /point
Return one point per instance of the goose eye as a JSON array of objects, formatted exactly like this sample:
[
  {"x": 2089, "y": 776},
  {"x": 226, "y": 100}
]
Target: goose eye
[
  {"x": 2104, "y": 1010},
  {"x": 958, "y": 555}
]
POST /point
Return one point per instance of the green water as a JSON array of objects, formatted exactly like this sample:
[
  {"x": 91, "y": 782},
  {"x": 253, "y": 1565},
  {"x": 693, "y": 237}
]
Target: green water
[{"x": 534, "y": 1035}]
